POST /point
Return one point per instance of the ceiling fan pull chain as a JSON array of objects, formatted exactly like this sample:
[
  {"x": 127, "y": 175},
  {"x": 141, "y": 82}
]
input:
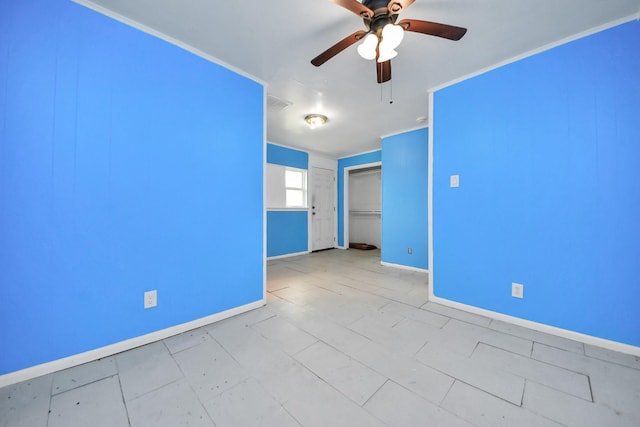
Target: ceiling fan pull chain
[{"x": 382, "y": 86}]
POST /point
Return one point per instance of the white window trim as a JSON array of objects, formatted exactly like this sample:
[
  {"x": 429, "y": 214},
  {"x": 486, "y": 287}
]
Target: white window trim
[{"x": 303, "y": 188}]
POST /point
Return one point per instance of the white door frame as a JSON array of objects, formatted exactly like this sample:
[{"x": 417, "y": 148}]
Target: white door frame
[{"x": 345, "y": 202}]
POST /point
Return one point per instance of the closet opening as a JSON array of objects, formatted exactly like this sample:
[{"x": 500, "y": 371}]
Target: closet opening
[{"x": 363, "y": 207}]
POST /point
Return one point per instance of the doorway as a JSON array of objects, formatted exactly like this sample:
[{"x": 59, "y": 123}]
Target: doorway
[{"x": 322, "y": 209}]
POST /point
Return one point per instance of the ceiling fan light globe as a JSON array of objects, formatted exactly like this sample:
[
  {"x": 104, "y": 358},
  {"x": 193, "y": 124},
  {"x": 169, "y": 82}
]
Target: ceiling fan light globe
[
  {"x": 386, "y": 52},
  {"x": 367, "y": 53},
  {"x": 367, "y": 49},
  {"x": 392, "y": 35}
]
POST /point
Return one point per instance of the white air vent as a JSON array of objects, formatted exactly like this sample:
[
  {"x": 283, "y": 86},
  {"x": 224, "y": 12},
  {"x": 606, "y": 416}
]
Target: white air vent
[{"x": 276, "y": 104}]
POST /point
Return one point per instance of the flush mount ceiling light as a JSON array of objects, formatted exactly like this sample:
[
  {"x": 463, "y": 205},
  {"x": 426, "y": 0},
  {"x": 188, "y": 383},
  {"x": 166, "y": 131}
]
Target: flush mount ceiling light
[{"x": 315, "y": 120}]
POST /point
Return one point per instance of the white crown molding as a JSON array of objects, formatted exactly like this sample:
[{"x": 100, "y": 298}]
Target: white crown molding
[
  {"x": 360, "y": 154},
  {"x": 139, "y": 26},
  {"x": 287, "y": 146},
  {"x": 421, "y": 126},
  {"x": 544, "y": 48}
]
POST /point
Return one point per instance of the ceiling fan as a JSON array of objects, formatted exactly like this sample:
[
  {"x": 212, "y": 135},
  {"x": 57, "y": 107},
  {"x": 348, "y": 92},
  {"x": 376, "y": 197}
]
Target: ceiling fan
[{"x": 382, "y": 34}]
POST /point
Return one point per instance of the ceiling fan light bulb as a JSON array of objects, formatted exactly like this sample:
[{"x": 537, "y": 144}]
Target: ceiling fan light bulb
[
  {"x": 392, "y": 35},
  {"x": 367, "y": 49}
]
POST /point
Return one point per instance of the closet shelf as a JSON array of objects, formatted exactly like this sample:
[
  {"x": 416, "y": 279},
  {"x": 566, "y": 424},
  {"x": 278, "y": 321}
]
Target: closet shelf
[{"x": 365, "y": 212}]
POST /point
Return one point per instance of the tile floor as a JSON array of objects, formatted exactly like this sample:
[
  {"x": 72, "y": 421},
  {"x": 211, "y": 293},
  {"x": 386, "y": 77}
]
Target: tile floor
[{"x": 342, "y": 341}]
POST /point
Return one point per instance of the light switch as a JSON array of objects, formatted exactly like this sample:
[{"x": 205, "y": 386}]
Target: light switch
[{"x": 454, "y": 181}]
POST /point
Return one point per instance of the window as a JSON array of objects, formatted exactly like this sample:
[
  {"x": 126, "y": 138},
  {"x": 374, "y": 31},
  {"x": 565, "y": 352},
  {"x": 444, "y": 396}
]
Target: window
[
  {"x": 286, "y": 187},
  {"x": 295, "y": 182}
]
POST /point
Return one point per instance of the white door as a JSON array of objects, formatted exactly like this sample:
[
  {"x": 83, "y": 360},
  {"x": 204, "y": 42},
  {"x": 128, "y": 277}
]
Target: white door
[{"x": 322, "y": 209}]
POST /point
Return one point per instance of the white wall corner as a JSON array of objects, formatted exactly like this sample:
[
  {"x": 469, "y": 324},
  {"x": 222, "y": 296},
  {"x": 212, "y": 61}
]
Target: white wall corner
[
  {"x": 430, "y": 194},
  {"x": 264, "y": 194}
]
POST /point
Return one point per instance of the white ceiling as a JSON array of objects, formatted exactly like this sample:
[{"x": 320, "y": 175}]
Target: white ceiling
[{"x": 273, "y": 41}]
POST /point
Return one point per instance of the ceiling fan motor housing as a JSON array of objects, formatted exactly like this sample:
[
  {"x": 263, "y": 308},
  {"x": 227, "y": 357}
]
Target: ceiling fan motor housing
[
  {"x": 381, "y": 15},
  {"x": 380, "y": 4}
]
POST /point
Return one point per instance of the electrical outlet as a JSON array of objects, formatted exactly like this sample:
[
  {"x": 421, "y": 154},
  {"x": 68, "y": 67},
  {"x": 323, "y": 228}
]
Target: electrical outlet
[
  {"x": 409, "y": 251},
  {"x": 150, "y": 299},
  {"x": 517, "y": 290}
]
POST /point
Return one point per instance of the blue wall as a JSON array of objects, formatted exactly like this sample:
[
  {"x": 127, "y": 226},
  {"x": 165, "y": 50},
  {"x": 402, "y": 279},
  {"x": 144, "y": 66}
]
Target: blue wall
[
  {"x": 405, "y": 199},
  {"x": 119, "y": 157},
  {"x": 549, "y": 162},
  {"x": 360, "y": 159},
  {"x": 287, "y": 230},
  {"x": 284, "y": 156}
]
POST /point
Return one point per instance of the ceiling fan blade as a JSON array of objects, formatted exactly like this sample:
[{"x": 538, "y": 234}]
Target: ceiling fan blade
[
  {"x": 337, "y": 48},
  {"x": 355, "y": 7},
  {"x": 433, "y": 29},
  {"x": 396, "y": 6},
  {"x": 383, "y": 69}
]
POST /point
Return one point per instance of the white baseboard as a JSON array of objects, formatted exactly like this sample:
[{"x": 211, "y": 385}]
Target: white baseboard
[
  {"x": 110, "y": 350},
  {"x": 404, "y": 267},
  {"x": 541, "y": 327},
  {"x": 287, "y": 255}
]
